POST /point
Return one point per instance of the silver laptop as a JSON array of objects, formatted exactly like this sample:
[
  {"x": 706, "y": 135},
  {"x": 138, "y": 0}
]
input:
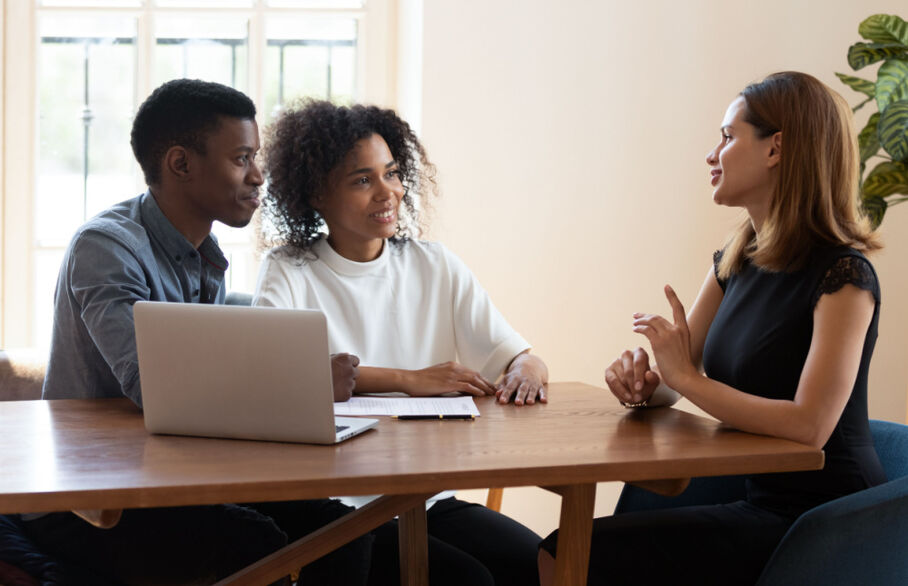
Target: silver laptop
[{"x": 238, "y": 372}]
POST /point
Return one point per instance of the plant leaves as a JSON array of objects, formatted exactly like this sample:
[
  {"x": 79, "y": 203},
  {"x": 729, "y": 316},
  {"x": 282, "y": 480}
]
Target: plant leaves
[
  {"x": 884, "y": 28},
  {"x": 893, "y": 130},
  {"x": 885, "y": 179},
  {"x": 869, "y": 138},
  {"x": 891, "y": 83},
  {"x": 861, "y": 55},
  {"x": 863, "y": 86},
  {"x": 874, "y": 208}
]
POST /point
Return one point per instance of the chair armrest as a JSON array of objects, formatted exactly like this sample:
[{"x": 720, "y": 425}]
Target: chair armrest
[{"x": 858, "y": 539}]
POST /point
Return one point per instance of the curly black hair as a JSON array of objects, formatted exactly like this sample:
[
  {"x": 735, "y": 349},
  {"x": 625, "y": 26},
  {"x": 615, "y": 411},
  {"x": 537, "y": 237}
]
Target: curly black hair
[
  {"x": 182, "y": 112},
  {"x": 310, "y": 139}
]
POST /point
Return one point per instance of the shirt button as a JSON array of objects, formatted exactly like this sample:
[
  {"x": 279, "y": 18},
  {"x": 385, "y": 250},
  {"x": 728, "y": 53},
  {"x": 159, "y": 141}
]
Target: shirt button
[
  {"x": 178, "y": 258},
  {"x": 195, "y": 292}
]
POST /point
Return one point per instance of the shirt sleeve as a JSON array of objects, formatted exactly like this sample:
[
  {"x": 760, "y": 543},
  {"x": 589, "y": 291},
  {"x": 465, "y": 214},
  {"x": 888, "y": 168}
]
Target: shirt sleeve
[
  {"x": 485, "y": 341},
  {"x": 106, "y": 279},
  {"x": 717, "y": 258},
  {"x": 848, "y": 270},
  {"x": 278, "y": 284}
]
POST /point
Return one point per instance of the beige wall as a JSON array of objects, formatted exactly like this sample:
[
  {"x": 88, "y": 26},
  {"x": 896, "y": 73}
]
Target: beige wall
[{"x": 570, "y": 139}]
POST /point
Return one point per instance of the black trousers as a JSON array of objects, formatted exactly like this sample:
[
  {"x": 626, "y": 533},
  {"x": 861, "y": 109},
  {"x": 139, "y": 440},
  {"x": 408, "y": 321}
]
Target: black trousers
[
  {"x": 704, "y": 545},
  {"x": 469, "y": 545},
  {"x": 200, "y": 545}
]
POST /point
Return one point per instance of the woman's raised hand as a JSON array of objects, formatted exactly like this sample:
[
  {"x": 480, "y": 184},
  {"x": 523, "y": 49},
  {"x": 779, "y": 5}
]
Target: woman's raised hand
[
  {"x": 630, "y": 377},
  {"x": 670, "y": 342},
  {"x": 448, "y": 377}
]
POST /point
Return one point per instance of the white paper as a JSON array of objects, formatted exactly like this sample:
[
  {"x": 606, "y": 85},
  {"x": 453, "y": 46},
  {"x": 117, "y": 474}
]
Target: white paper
[{"x": 407, "y": 406}]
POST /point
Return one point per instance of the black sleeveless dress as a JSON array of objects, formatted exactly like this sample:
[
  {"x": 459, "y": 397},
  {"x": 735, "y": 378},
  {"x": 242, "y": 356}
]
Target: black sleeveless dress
[{"x": 758, "y": 343}]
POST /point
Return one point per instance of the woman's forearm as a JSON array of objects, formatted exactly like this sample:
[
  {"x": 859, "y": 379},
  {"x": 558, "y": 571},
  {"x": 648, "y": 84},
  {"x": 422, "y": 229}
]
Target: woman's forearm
[
  {"x": 755, "y": 414},
  {"x": 382, "y": 380}
]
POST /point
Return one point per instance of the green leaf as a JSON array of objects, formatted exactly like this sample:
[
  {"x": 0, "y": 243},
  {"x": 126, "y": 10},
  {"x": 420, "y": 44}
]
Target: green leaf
[
  {"x": 864, "y": 86},
  {"x": 869, "y": 138},
  {"x": 893, "y": 130},
  {"x": 861, "y": 55},
  {"x": 887, "y": 178},
  {"x": 891, "y": 83},
  {"x": 884, "y": 28},
  {"x": 874, "y": 208}
]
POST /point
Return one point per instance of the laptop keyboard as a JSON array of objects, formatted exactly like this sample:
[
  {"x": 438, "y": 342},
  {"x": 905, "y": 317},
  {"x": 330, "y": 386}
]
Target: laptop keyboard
[{"x": 340, "y": 428}]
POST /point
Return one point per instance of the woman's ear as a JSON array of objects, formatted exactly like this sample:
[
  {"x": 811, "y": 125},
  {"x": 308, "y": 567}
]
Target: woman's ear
[
  {"x": 775, "y": 149},
  {"x": 176, "y": 163}
]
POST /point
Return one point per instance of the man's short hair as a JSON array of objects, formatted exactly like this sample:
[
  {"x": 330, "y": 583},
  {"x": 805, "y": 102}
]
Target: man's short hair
[{"x": 182, "y": 112}]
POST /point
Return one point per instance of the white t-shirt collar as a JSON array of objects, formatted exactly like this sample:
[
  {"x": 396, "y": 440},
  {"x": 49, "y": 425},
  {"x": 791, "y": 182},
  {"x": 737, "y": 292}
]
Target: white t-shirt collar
[{"x": 345, "y": 266}]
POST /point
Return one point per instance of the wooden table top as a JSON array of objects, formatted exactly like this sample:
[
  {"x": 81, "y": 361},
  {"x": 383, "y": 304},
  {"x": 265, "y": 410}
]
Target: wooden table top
[{"x": 96, "y": 454}]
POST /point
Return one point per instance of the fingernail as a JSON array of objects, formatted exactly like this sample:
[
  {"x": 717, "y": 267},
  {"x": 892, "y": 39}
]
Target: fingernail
[
  {"x": 639, "y": 386},
  {"x": 638, "y": 397}
]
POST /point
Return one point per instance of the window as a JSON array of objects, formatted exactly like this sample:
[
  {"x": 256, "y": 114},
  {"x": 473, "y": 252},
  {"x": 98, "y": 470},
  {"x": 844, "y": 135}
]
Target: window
[{"x": 76, "y": 70}]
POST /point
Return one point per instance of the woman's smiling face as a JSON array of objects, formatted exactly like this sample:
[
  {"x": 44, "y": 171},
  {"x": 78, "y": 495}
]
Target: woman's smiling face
[
  {"x": 743, "y": 166},
  {"x": 362, "y": 200}
]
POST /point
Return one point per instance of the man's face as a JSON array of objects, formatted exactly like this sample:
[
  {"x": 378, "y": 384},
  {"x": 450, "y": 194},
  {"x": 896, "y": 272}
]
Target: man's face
[{"x": 226, "y": 179}]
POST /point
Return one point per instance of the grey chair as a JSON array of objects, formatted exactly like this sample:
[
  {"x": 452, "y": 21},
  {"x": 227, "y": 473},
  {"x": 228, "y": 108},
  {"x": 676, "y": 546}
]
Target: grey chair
[
  {"x": 861, "y": 538},
  {"x": 238, "y": 298}
]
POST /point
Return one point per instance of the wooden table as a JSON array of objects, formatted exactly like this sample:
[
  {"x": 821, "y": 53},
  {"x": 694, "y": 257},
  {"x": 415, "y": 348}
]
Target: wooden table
[{"x": 95, "y": 454}]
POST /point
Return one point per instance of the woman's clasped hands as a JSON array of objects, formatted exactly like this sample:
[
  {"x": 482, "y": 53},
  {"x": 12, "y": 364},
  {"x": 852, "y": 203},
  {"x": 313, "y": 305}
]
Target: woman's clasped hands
[{"x": 631, "y": 378}]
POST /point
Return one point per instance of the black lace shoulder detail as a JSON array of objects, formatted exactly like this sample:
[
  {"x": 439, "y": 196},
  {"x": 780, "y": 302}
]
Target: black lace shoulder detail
[
  {"x": 853, "y": 270},
  {"x": 717, "y": 256}
]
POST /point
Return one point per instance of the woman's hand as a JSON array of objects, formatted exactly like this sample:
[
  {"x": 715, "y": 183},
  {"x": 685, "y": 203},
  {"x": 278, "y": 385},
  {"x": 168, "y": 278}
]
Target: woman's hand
[
  {"x": 449, "y": 377},
  {"x": 524, "y": 380},
  {"x": 670, "y": 342},
  {"x": 630, "y": 377},
  {"x": 343, "y": 375}
]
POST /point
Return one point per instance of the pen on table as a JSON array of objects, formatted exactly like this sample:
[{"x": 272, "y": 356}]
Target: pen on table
[{"x": 418, "y": 417}]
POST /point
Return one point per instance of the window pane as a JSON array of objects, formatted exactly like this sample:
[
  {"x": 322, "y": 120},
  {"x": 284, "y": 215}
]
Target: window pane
[
  {"x": 204, "y": 3},
  {"x": 309, "y": 57},
  {"x": 85, "y": 88},
  {"x": 92, "y": 3},
  {"x": 210, "y": 48},
  {"x": 315, "y": 3}
]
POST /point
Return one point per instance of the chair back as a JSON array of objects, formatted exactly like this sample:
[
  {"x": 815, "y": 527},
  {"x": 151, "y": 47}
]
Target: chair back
[
  {"x": 857, "y": 539},
  {"x": 891, "y": 443},
  {"x": 21, "y": 375},
  {"x": 238, "y": 298}
]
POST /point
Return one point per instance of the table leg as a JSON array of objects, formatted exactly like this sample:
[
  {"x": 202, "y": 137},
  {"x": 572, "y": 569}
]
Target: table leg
[
  {"x": 414, "y": 555},
  {"x": 325, "y": 540},
  {"x": 575, "y": 530}
]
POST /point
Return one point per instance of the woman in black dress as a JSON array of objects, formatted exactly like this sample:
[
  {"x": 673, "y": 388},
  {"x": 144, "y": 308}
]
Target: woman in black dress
[{"x": 778, "y": 341}]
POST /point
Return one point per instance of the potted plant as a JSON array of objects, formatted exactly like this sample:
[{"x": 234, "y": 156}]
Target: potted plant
[{"x": 886, "y": 134}]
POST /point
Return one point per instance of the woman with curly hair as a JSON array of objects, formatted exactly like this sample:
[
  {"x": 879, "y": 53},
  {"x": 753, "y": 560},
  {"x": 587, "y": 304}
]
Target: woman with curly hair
[
  {"x": 778, "y": 341},
  {"x": 347, "y": 193}
]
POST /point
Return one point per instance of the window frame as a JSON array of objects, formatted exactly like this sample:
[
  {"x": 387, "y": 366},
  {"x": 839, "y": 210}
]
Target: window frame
[{"x": 388, "y": 73}]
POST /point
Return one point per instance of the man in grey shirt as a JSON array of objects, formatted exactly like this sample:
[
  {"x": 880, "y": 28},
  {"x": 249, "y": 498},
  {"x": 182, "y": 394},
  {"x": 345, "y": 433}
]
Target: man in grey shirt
[{"x": 196, "y": 143}]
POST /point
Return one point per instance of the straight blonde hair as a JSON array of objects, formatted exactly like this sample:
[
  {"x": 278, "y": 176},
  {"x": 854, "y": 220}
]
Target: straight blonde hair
[{"x": 815, "y": 201}]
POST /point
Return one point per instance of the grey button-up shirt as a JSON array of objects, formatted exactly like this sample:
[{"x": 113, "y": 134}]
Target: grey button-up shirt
[{"x": 130, "y": 252}]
